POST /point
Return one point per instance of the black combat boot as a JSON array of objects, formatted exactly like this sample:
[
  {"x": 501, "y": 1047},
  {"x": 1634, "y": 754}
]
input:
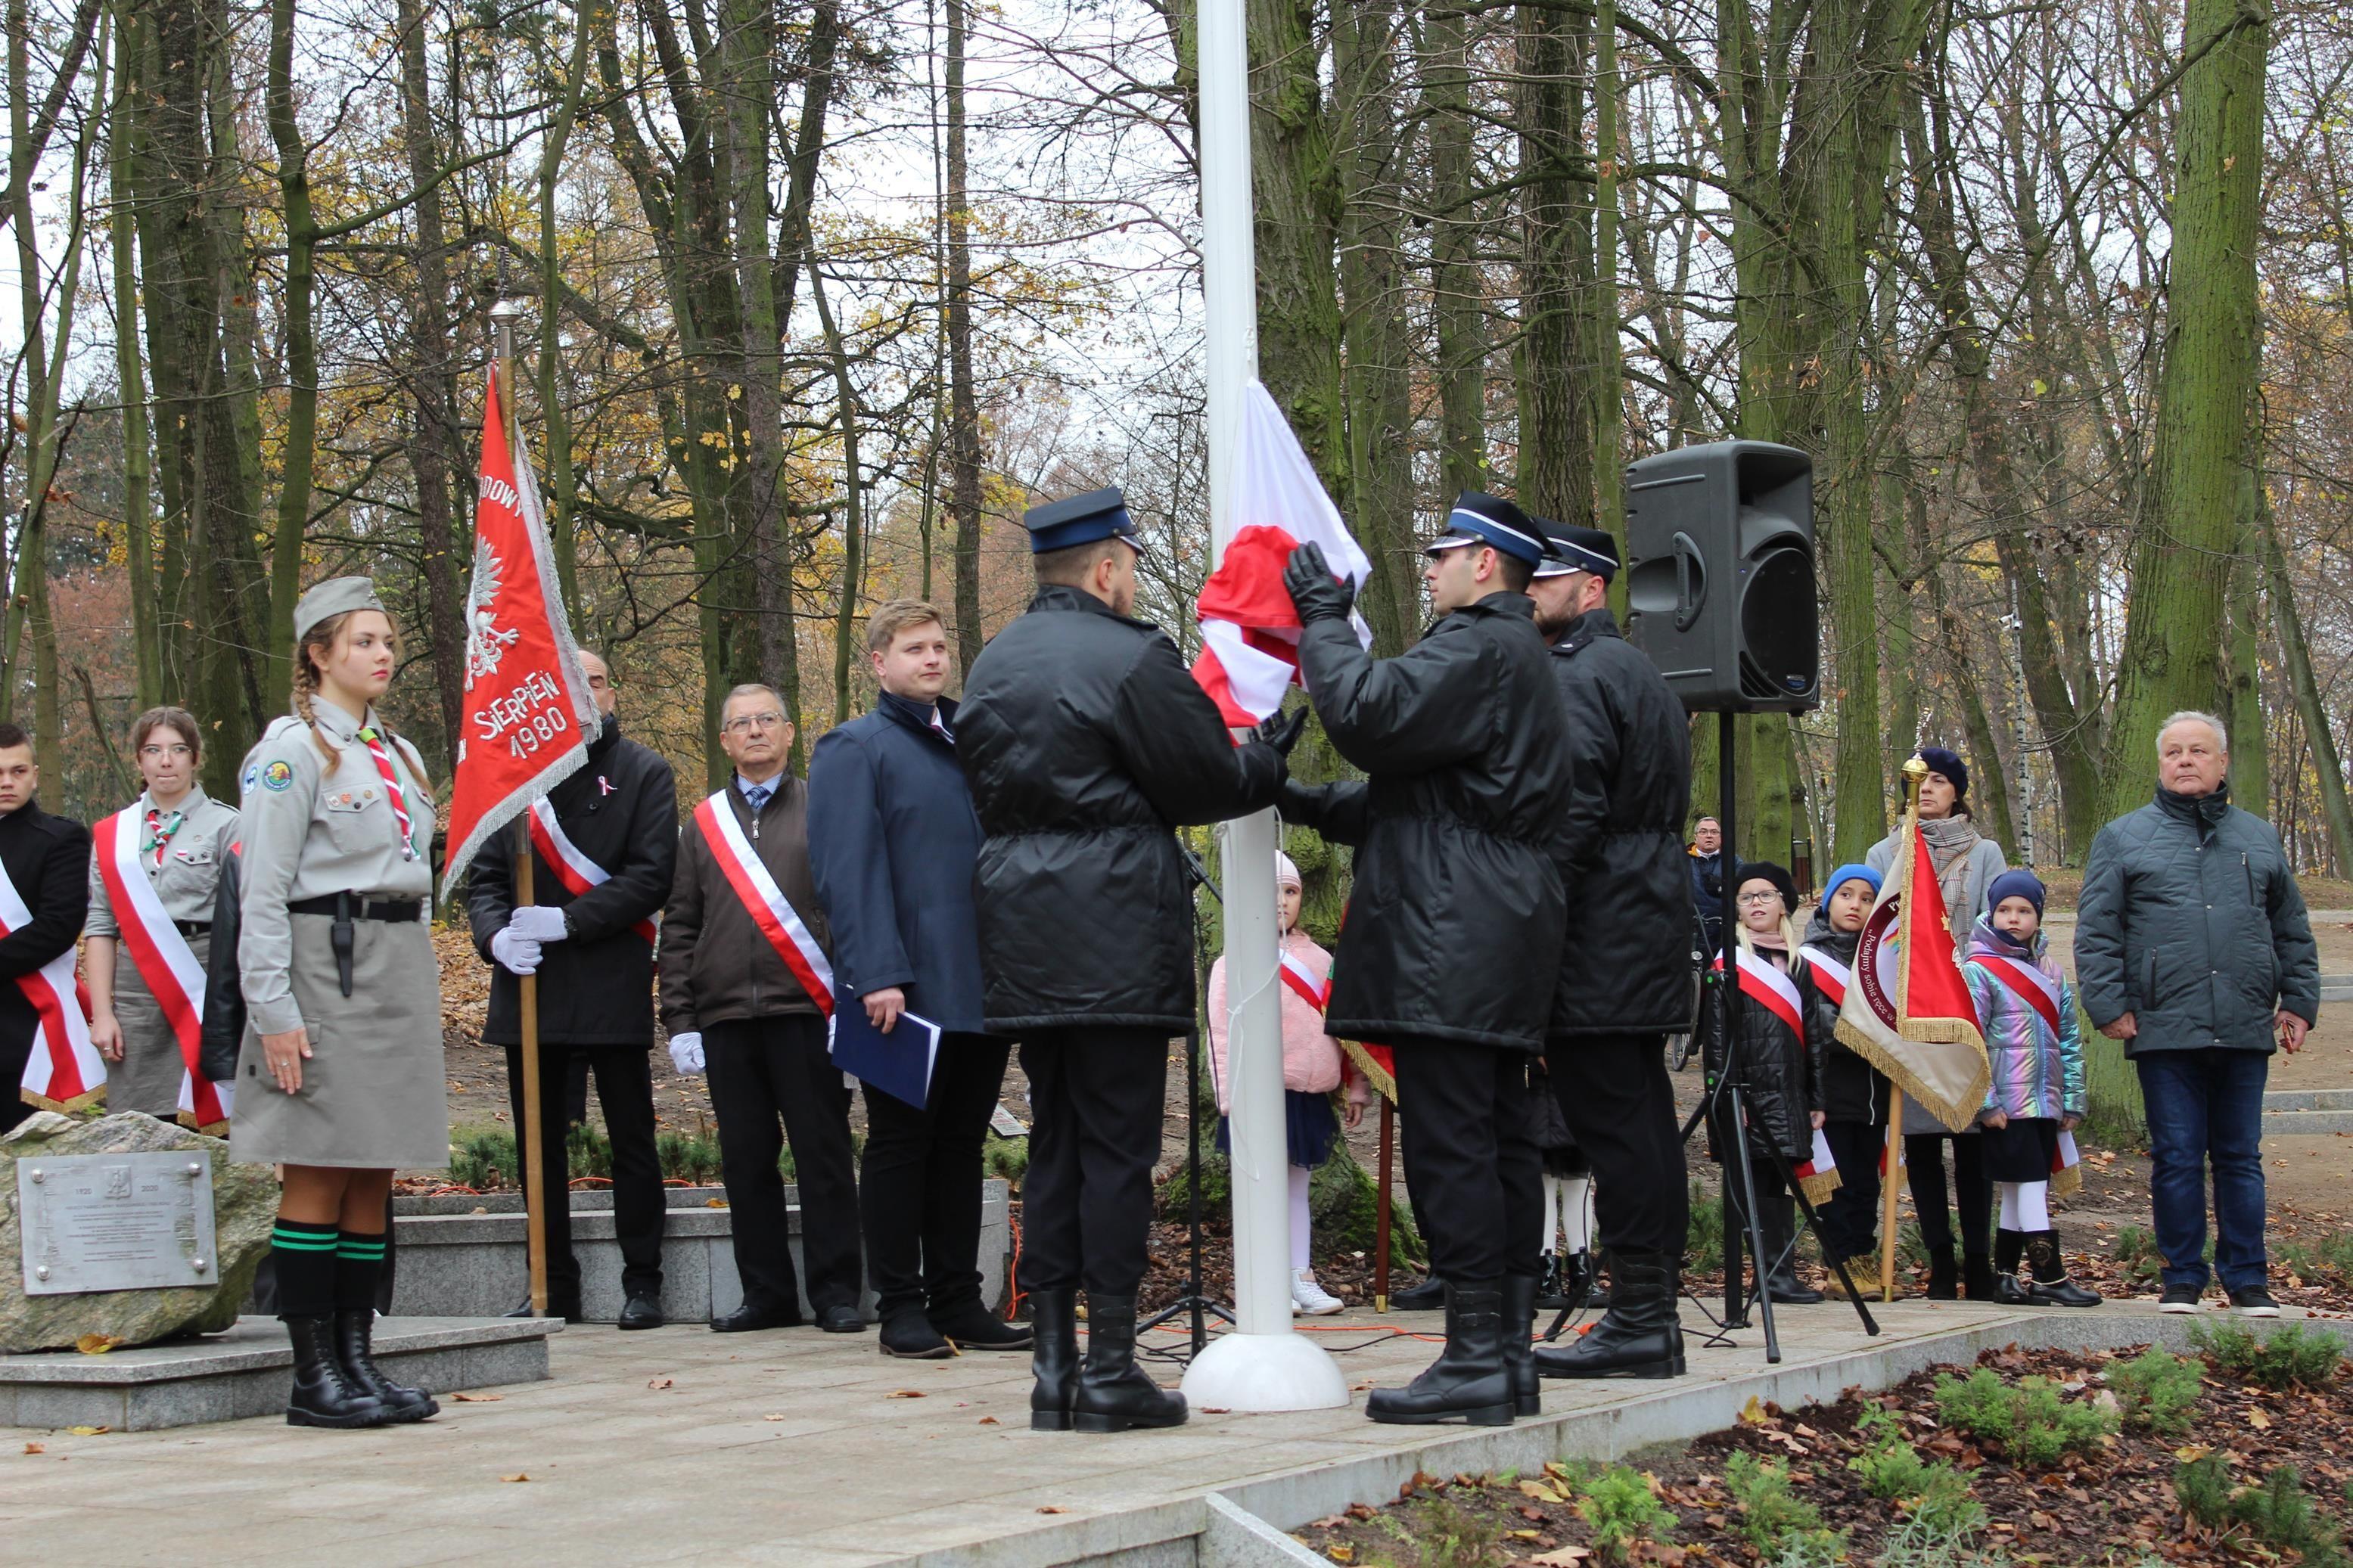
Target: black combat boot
[
  {"x": 355, "y": 1348},
  {"x": 1053, "y": 1358},
  {"x": 1114, "y": 1393},
  {"x": 324, "y": 1394},
  {"x": 1519, "y": 1344},
  {"x": 1471, "y": 1380},
  {"x": 1639, "y": 1336}
]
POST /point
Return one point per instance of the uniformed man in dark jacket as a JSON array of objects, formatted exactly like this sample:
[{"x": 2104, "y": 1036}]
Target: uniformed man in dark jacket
[
  {"x": 1086, "y": 742},
  {"x": 893, "y": 843},
  {"x": 47, "y": 860},
  {"x": 1625, "y": 981},
  {"x": 1455, "y": 923},
  {"x": 590, "y": 936}
]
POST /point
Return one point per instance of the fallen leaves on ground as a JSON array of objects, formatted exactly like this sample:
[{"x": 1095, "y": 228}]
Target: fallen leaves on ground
[
  {"x": 97, "y": 1345},
  {"x": 88, "y": 1431},
  {"x": 906, "y": 1394},
  {"x": 478, "y": 1398},
  {"x": 35, "y": 1448},
  {"x": 518, "y": 1476},
  {"x": 1050, "y": 1507},
  {"x": 661, "y": 1383}
]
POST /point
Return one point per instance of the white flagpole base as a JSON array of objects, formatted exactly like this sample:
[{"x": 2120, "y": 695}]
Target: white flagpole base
[{"x": 1265, "y": 1373}]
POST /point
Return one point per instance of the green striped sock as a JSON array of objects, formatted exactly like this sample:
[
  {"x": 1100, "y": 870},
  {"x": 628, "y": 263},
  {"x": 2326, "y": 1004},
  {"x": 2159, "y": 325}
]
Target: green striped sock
[
  {"x": 359, "y": 1261},
  {"x": 303, "y": 1257}
]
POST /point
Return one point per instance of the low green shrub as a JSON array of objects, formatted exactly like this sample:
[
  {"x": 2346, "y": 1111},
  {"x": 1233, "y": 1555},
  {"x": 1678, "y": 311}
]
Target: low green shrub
[
  {"x": 587, "y": 1152},
  {"x": 1928, "y": 1490},
  {"x": 1007, "y": 1159},
  {"x": 483, "y": 1158},
  {"x": 2031, "y": 1422},
  {"x": 2331, "y": 1256},
  {"x": 690, "y": 1157},
  {"x": 2136, "y": 1255},
  {"x": 2279, "y": 1512},
  {"x": 1781, "y": 1526},
  {"x": 1616, "y": 1504},
  {"x": 2295, "y": 1356},
  {"x": 1704, "y": 1235},
  {"x": 2157, "y": 1389}
]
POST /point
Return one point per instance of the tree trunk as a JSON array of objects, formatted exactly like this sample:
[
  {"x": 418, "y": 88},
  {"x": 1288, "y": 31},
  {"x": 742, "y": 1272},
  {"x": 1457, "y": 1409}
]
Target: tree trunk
[
  {"x": 2205, "y": 442},
  {"x": 1609, "y": 396},
  {"x": 1458, "y": 296},
  {"x": 1295, "y": 183},
  {"x": 853, "y": 527},
  {"x": 2327, "y": 764},
  {"x": 433, "y": 447},
  {"x": 1555, "y": 426},
  {"x": 131, "y": 377},
  {"x": 2251, "y": 768},
  {"x": 964, "y": 401}
]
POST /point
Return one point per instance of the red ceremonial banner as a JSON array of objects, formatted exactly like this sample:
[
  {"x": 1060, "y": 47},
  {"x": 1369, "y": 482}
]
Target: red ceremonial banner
[{"x": 528, "y": 709}]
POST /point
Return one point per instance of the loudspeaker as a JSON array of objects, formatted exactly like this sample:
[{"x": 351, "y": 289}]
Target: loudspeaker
[{"x": 1720, "y": 575}]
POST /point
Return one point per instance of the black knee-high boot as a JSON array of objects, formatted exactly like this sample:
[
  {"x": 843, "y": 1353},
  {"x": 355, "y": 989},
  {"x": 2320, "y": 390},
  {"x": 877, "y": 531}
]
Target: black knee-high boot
[
  {"x": 2050, "y": 1286},
  {"x": 359, "y": 1262},
  {"x": 1114, "y": 1393}
]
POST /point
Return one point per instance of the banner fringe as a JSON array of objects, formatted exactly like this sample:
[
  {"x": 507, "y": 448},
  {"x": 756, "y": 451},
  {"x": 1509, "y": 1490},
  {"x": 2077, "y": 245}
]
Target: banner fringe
[
  {"x": 1818, "y": 1186},
  {"x": 82, "y": 1101},
  {"x": 1385, "y": 1085},
  {"x": 1955, "y": 1115}
]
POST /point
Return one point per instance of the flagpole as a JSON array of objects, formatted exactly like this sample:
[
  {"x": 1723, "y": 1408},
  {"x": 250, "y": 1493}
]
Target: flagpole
[
  {"x": 1264, "y": 1364},
  {"x": 1916, "y": 772},
  {"x": 503, "y": 315}
]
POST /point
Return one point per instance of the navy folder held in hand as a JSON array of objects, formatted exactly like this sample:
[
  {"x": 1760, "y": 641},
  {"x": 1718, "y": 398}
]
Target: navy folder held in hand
[{"x": 898, "y": 1063}]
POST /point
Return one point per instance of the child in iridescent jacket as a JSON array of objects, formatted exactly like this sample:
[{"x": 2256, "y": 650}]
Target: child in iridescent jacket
[{"x": 2026, "y": 1008}]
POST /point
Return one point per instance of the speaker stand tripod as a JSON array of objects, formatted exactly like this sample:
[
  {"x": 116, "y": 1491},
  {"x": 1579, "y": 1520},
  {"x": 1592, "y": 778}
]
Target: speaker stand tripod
[{"x": 1193, "y": 1304}]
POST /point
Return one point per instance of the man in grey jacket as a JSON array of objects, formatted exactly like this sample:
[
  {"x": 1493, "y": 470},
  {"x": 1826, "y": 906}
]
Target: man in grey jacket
[{"x": 2193, "y": 947}]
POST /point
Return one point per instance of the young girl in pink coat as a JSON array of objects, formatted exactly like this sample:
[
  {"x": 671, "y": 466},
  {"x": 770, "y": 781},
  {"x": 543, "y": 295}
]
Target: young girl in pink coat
[{"x": 1313, "y": 1067}]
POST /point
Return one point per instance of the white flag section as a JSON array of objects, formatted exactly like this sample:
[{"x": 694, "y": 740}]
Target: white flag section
[{"x": 1250, "y": 632}]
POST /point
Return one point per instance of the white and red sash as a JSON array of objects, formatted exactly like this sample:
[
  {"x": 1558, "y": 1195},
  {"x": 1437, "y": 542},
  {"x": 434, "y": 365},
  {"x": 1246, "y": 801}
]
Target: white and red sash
[
  {"x": 770, "y": 910},
  {"x": 2029, "y": 984},
  {"x": 574, "y": 869},
  {"x": 64, "y": 1071},
  {"x": 164, "y": 960},
  {"x": 1818, "y": 1174},
  {"x": 1764, "y": 983},
  {"x": 1316, "y": 993},
  {"x": 1831, "y": 977}
]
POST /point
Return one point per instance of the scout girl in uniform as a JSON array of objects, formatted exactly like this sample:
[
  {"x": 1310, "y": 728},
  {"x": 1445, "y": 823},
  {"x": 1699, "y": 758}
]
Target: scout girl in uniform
[
  {"x": 340, "y": 1079},
  {"x": 144, "y": 961}
]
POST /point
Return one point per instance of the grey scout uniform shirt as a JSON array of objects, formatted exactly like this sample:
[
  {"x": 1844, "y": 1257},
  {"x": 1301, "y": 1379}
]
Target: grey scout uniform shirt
[
  {"x": 314, "y": 830},
  {"x": 190, "y": 874}
]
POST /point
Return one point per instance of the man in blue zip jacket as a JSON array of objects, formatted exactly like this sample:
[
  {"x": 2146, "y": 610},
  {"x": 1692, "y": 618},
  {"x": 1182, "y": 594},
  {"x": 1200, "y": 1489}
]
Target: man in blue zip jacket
[{"x": 893, "y": 843}]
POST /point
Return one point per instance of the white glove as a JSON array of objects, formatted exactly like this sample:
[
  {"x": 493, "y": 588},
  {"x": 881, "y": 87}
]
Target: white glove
[
  {"x": 516, "y": 952},
  {"x": 538, "y": 922},
  {"x": 686, "y": 1051}
]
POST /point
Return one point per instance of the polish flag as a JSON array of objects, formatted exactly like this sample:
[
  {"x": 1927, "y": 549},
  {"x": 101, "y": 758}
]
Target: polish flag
[{"x": 1250, "y": 632}]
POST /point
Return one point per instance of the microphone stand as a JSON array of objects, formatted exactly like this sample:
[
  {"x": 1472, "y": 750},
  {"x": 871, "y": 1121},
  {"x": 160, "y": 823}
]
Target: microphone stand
[{"x": 1193, "y": 1303}]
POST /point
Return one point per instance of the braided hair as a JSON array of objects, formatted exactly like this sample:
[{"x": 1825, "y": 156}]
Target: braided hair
[{"x": 322, "y": 637}]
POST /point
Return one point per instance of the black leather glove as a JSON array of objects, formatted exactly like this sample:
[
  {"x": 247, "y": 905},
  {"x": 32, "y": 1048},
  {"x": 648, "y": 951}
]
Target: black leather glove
[
  {"x": 1282, "y": 730},
  {"x": 1314, "y": 591},
  {"x": 1300, "y": 805}
]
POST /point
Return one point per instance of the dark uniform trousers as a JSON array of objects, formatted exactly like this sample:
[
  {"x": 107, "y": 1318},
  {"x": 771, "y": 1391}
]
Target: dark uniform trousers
[
  {"x": 625, "y": 1087},
  {"x": 1096, "y": 1097},
  {"x": 763, "y": 1071},
  {"x": 1475, "y": 1169},
  {"x": 919, "y": 1186},
  {"x": 1615, "y": 1095}
]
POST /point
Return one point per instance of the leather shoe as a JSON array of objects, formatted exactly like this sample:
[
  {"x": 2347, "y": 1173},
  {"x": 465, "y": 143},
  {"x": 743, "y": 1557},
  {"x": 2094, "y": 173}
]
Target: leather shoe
[
  {"x": 841, "y": 1319},
  {"x": 1428, "y": 1295},
  {"x": 907, "y": 1333},
  {"x": 748, "y": 1318},
  {"x": 974, "y": 1327},
  {"x": 641, "y": 1311},
  {"x": 564, "y": 1306}
]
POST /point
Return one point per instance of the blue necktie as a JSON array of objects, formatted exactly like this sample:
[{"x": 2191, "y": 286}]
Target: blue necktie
[{"x": 756, "y": 796}]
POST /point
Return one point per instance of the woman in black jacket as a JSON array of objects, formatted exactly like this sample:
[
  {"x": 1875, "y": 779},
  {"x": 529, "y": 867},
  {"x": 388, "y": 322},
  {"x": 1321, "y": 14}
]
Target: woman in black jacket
[{"x": 1780, "y": 1069}]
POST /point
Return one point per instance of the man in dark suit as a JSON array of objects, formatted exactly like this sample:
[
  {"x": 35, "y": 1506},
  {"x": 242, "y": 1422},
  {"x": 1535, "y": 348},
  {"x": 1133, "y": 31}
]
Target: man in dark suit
[
  {"x": 893, "y": 843},
  {"x": 1086, "y": 743},
  {"x": 47, "y": 859},
  {"x": 601, "y": 871}
]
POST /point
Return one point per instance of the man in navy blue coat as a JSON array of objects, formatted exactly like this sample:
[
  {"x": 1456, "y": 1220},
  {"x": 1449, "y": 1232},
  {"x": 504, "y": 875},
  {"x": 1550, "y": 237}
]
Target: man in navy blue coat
[{"x": 893, "y": 843}]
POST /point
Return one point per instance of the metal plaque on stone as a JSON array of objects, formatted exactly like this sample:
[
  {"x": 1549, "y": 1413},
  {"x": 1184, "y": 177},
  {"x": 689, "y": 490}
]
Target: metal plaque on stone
[{"x": 116, "y": 1222}]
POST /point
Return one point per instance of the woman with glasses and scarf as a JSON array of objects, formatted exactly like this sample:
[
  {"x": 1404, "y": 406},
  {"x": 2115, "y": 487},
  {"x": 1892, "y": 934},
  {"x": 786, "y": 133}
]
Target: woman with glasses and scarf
[
  {"x": 176, "y": 837},
  {"x": 1967, "y": 863}
]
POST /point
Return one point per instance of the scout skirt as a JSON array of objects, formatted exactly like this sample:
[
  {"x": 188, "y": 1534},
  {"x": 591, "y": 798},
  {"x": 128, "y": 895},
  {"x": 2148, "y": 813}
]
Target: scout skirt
[
  {"x": 375, "y": 1092},
  {"x": 148, "y": 1077},
  {"x": 2023, "y": 1150}
]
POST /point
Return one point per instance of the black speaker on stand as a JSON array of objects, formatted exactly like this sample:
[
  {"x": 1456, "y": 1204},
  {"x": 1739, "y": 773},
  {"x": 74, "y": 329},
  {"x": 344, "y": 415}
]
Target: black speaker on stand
[{"x": 1720, "y": 597}]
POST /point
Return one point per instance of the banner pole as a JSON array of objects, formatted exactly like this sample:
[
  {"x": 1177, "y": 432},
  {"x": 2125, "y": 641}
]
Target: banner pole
[
  {"x": 503, "y": 315},
  {"x": 1381, "y": 1203},
  {"x": 1887, "y": 1194}
]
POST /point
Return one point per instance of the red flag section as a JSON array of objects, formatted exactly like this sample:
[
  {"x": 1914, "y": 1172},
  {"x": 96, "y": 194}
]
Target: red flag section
[
  {"x": 527, "y": 705},
  {"x": 1934, "y": 993}
]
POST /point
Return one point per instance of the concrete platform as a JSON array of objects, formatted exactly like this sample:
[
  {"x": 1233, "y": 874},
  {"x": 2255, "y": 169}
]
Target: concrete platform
[
  {"x": 800, "y": 1447},
  {"x": 2289, "y": 1111},
  {"x": 243, "y": 1373},
  {"x": 465, "y": 1256}
]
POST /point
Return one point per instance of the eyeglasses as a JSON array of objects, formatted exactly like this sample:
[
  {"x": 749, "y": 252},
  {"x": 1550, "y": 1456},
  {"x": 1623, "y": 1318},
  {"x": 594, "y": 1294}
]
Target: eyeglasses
[
  {"x": 157, "y": 753},
  {"x": 747, "y": 721},
  {"x": 1759, "y": 900}
]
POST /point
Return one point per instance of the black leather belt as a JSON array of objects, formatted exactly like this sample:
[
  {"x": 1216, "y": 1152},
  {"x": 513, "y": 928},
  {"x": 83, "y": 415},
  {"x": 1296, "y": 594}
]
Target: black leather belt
[
  {"x": 353, "y": 907},
  {"x": 192, "y": 928}
]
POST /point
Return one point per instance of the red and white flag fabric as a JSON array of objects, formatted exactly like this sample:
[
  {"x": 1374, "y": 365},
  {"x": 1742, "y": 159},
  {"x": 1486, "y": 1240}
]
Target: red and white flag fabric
[
  {"x": 770, "y": 910},
  {"x": 166, "y": 963},
  {"x": 528, "y": 711},
  {"x": 1316, "y": 993},
  {"x": 1909, "y": 1012},
  {"x": 1249, "y": 629},
  {"x": 2066, "y": 1167},
  {"x": 572, "y": 869},
  {"x": 1818, "y": 1174},
  {"x": 64, "y": 1070},
  {"x": 2040, "y": 994}
]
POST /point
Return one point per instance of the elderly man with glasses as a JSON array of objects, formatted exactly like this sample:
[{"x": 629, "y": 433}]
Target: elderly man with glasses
[{"x": 744, "y": 996}]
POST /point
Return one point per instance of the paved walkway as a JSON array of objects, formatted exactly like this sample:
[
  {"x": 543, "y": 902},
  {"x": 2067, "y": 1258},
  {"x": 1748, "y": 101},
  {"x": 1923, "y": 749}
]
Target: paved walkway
[{"x": 789, "y": 1447}]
